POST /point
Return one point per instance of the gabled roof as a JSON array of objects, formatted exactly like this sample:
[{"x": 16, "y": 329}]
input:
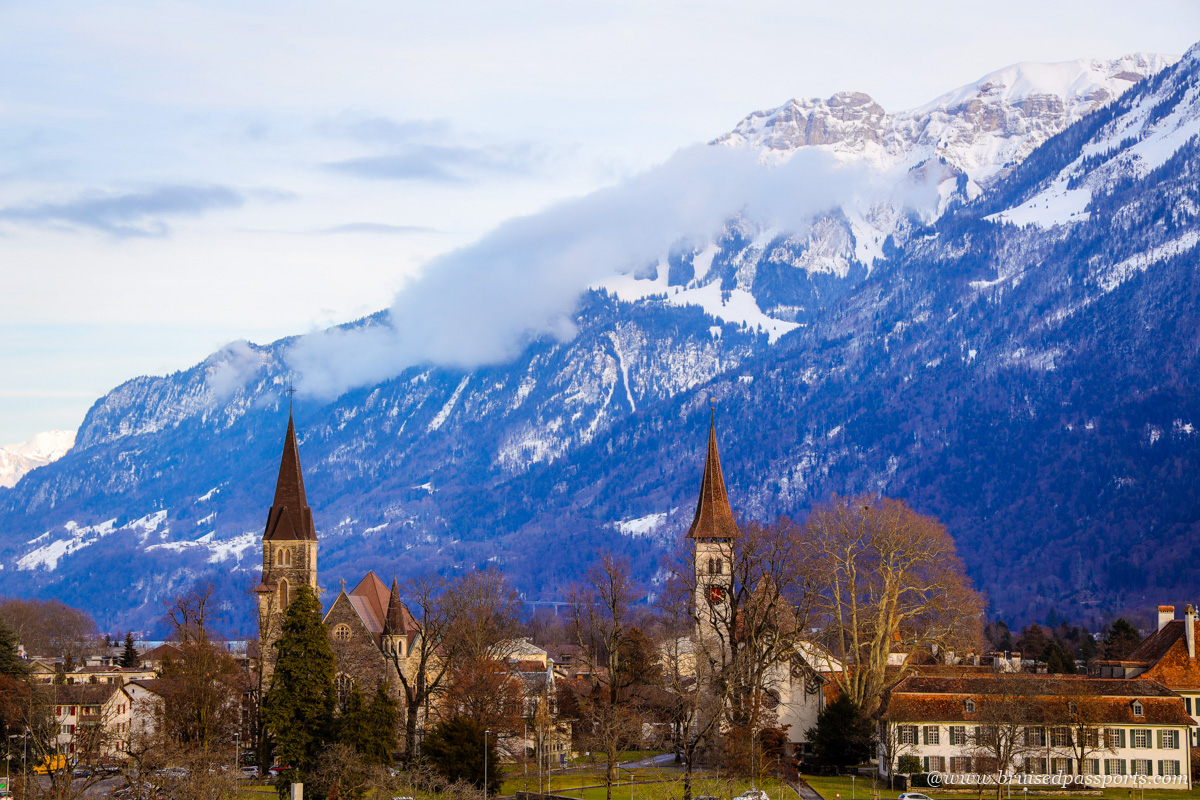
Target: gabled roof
[
  {"x": 1155, "y": 646},
  {"x": 714, "y": 517},
  {"x": 87, "y": 694},
  {"x": 370, "y": 600},
  {"x": 398, "y": 621},
  {"x": 290, "y": 518}
]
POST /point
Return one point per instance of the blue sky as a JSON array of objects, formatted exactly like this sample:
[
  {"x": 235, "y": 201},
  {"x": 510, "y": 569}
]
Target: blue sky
[{"x": 177, "y": 175}]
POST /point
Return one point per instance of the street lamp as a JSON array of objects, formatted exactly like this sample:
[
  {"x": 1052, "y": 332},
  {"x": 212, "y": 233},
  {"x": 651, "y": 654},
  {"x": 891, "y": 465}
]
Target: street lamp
[{"x": 485, "y": 785}]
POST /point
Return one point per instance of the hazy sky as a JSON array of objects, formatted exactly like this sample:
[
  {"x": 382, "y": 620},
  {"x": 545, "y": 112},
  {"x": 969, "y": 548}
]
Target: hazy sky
[{"x": 177, "y": 175}]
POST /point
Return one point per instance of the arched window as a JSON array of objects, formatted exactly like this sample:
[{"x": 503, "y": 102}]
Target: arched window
[
  {"x": 712, "y": 566},
  {"x": 342, "y": 683},
  {"x": 284, "y": 595},
  {"x": 720, "y": 567},
  {"x": 283, "y": 557},
  {"x": 341, "y": 633}
]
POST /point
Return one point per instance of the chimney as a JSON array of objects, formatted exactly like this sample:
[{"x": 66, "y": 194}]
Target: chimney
[
  {"x": 1165, "y": 615},
  {"x": 1189, "y": 629}
]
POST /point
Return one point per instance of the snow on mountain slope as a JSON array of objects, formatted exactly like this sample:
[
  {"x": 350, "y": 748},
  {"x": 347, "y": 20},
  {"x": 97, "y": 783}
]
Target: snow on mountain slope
[
  {"x": 1147, "y": 128},
  {"x": 960, "y": 143},
  {"x": 18, "y": 459}
]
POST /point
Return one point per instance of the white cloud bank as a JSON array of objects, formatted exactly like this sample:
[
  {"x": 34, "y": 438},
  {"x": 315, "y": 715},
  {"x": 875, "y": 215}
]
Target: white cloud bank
[{"x": 483, "y": 303}]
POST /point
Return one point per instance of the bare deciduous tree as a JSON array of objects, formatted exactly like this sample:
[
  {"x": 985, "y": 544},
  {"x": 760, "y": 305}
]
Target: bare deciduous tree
[{"x": 889, "y": 580}]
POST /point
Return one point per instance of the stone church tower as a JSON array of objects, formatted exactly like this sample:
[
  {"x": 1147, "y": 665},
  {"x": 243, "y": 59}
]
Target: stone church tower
[
  {"x": 289, "y": 545},
  {"x": 713, "y": 533}
]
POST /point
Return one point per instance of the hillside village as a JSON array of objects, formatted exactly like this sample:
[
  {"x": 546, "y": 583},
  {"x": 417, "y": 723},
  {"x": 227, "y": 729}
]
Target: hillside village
[{"x": 727, "y": 673}]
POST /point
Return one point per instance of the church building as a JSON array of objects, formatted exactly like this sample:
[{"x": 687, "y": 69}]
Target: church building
[{"x": 796, "y": 688}]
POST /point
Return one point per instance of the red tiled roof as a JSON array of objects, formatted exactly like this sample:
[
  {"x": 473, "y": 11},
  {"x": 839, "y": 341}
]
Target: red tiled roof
[
  {"x": 1047, "y": 699},
  {"x": 714, "y": 517}
]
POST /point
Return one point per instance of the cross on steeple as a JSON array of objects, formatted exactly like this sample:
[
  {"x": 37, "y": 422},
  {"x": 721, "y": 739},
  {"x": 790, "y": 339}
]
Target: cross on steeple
[
  {"x": 343, "y": 582},
  {"x": 291, "y": 391}
]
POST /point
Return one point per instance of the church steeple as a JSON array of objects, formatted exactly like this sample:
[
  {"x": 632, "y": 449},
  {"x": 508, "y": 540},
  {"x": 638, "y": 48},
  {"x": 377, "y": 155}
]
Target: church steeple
[
  {"x": 714, "y": 517},
  {"x": 290, "y": 518},
  {"x": 289, "y": 546}
]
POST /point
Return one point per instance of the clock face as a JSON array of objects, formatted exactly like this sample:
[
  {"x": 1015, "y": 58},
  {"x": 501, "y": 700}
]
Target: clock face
[{"x": 715, "y": 594}]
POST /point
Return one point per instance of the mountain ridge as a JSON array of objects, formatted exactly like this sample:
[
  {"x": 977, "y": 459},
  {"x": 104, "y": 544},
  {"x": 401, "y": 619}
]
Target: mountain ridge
[{"x": 929, "y": 376}]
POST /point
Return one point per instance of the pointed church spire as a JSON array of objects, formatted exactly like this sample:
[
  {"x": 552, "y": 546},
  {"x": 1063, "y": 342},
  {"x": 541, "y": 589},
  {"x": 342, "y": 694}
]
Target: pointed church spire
[
  {"x": 393, "y": 623},
  {"x": 714, "y": 517},
  {"x": 290, "y": 517}
]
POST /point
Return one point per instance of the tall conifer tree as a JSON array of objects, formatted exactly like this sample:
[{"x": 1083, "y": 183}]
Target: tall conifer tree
[
  {"x": 299, "y": 705},
  {"x": 129, "y": 656}
]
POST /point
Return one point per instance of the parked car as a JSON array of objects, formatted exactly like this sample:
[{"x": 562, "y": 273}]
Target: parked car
[
  {"x": 915, "y": 796},
  {"x": 753, "y": 794},
  {"x": 275, "y": 770},
  {"x": 249, "y": 772},
  {"x": 81, "y": 772}
]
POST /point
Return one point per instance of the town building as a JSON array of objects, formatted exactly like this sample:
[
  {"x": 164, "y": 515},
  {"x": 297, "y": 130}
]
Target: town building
[
  {"x": 93, "y": 720},
  {"x": 1167, "y": 656},
  {"x": 1037, "y": 726}
]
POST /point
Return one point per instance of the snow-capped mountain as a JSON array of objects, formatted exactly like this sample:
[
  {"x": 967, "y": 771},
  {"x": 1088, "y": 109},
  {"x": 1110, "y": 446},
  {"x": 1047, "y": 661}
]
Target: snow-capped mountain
[
  {"x": 18, "y": 459},
  {"x": 1033, "y": 385}
]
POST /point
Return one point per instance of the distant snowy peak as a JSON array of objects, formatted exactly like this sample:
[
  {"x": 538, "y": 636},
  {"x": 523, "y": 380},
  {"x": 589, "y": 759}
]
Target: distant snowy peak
[
  {"x": 16, "y": 460},
  {"x": 979, "y": 128}
]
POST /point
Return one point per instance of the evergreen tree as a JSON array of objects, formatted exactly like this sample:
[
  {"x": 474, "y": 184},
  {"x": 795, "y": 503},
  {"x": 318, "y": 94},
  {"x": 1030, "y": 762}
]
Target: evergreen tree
[
  {"x": 299, "y": 705},
  {"x": 10, "y": 663},
  {"x": 352, "y": 724},
  {"x": 455, "y": 749},
  {"x": 129, "y": 656},
  {"x": 382, "y": 717},
  {"x": 1121, "y": 639},
  {"x": 844, "y": 736},
  {"x": 1058, "y": 660}
]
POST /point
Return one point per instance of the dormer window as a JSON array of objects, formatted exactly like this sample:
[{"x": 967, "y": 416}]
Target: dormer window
[
  {"x": 1072, "y": 708},
  {"x": 1138, "y": 711},
  {"x": 969, "y": 706}
]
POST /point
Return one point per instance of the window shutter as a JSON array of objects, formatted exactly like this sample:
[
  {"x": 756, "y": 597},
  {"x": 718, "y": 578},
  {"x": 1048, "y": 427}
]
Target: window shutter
[
  {"x": 1121, "y": 738},
  {"x": 925, "y": 734},
  {"x": 926, "y": 760},
  {"x": 1160, "y": 740},
  {"x": 1107, "y": 764}
]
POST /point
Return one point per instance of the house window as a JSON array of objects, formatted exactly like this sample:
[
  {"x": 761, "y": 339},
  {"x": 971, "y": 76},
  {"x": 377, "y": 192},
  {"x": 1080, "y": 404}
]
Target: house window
[
  {"x": 341, "y": 633},
  {"x": 958, "y": 734},
  {"x": 1140, "y": 739},
  {"x": 1114, "y": 738},
  {"x": 969, "y": 706},
  {"x": 1089, "y": 766},
  {"x": 1187, "y": 703},
  {"x": 1168, "y": 740},
  {"x": 1072, "y": 708},
  {"x": 1035, "y": 766},
  {"x": 1140, "y": 766},
  {"x": 1035, "y": 737},
  {"x": 1060, "y": 766},
  {"x": 1168, "y": 767},
  {"x": 1114, "y": 766},
  {"x": 1138, "y": 711},
  {"x": 1060, "y": 737},
  {"x": 930, "y": 734},
  {"x": 1091, "y": 736},
  {"x": 907, "y": 734},
  {"x": 960, "y": 764},
  {"x": 935, "y": 763}
]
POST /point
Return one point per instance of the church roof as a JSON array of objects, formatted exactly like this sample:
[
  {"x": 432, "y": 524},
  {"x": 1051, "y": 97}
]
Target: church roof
[
  {"x": 398, "y": 622},
  {"x": 370, "y": 600},
  {"x": 290, "y": 518},
  {"x": 714, "y": 517}
]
